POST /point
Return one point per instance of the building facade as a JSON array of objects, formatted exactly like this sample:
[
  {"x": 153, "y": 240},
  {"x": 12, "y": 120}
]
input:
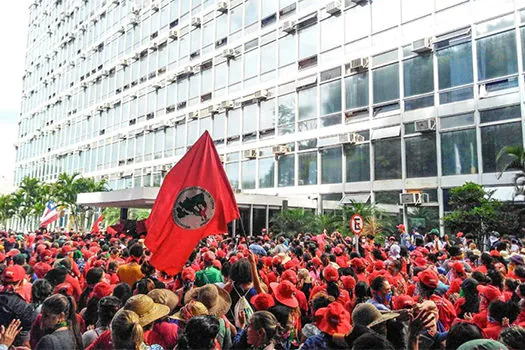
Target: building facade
[{"x": 336, "y": 100}]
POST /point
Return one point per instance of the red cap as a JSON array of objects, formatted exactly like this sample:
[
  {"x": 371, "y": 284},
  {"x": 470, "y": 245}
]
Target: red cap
[
  {"x": 403, "y": 302},
  {"x": 41, "y": 268},
  {"x": 285, "y": 293},
  {"x": 357, "y": 263},
  {"x": 428, "y": 278},
  {"x": 379, "y": 265},
  {"x": 458, "y": 267},
  {"x": 420, "y": 261},
  {"x": 338, "y": 251},
  {"x": 233, "y": 259},
  {"x": 13, "y": 273},
  {"x": 333, "y": 319},
  {"x": 489, "y": 292},
  {"x": 267, "y": 260},
  {"x": 221, "y": 254},
  {"x": 330, "y": 274},
  {"x": 348, "y": 282},
  {"x": 2, "y": 257},
  {"x": 67, "y": 249},
  {"x": 316, "y": 261},
  {"x": 208, "y": 257},
  {"x": 64, "y": 288},
  {"x": 289, "y": 275},
  {"x": 459, "y": 234},
  {"x": 277, "y": 260},
  {"x": 262, "y": 301},
  {"x": 401, "y": 227},
  {"x": 188, "y": 274},
  {"x": 12, "y": 253},
  {"x": 101, "y": 290},
  {"x": 217, "y": 264},
  {"x": 292, "y": 264},
  {"x": 495, "y": 253}
]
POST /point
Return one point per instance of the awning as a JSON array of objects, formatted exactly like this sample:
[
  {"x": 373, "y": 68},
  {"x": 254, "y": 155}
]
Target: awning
[{"x": 355, "y": 198}]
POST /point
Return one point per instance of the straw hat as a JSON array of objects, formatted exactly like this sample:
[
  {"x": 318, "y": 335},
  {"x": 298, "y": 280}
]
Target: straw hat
[
  {"x": 165, "y": 297},
  {"x": 216, "y": 299},
  {"x": 193, "y": 308},
  {"x": 366, "y": 314},
  {"x": 147, "y": 310}
]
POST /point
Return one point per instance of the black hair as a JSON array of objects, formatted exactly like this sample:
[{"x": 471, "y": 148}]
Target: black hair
[
  {"x": 486, "y": 260},
  {"x": 496, "y": 278},
  {"x": 319, "y": 303},
  {"x": 498, "y": 310},
  {"x": 332, "y": 289},
  {"x": 56, "y": 276},
  {"x": 199, "y": 333},
  {"x": 241, "y": 272},
  {"x": 470, "y": 292},
  {"x": 461, "y": 333},
  {"x": 19, "y": 259},
  {"x": 40, "y": 290},
  {"x": 376, "y": 253},
  {"x": 281, "y": 313},
  {"x": 362, "y": 292},
  {"x": 123, "y": 292},
  {"x": 372, "y": 341},
  {"x": 58, "y": 303},
  {"x": 377, "y": 283},
  {"x": 513, "y": 337},
  {"x": 520, "y": 271},
  {"x": 136, "y": 250},
  {"x": 94, "y": 275},
  {"x": 107, "y": 308},
  {"x": 454, "y": 250},
  {"x": 479, "y": 276},
  {"x": 147, "y": 269}
]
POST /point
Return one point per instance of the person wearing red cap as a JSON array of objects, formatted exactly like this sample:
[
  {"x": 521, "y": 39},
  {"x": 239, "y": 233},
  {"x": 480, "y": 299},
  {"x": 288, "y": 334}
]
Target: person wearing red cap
[
  {"x": 428, "y": 283},
  {"x": 13, "y": 306},
  {"x": 291, "y": 276},
  {"x": 487, "y": 295},
  {"x": 209, "y": 274},
  {"x": 330, "y": 320}
]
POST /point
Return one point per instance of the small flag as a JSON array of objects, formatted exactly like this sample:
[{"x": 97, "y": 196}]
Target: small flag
[
  {"x": 50, "y": 214},
  {"x": 96, "y": 224},
  {"x": 195, "y": 201}
]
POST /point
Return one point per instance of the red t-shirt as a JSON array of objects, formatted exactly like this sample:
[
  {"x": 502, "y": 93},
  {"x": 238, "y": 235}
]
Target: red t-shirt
[
  {"x": 493, "y": 331},
  {"x": 103, "y": 342}
]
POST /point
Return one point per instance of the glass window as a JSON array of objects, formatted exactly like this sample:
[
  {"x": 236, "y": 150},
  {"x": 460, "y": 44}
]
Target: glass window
[
  {"x": 328, "y": 28},
  {"x": 421, "y": 156},
  {"x": 455, "y": 65},
  {"x": 195, "y": 40},
  {"x": 307, "y": 103},
  {"x": 331, "y": 98},
  {"x": 523, "y": 43},
  {"x": 493, "y": 139},
  {"x": 385, "y": 14},
  {"x": 221, "y": 72},
  {"x": 386, "y": 83},
  {"x": 193, "y": 131},
  {"x": 358, "y": 162},
  {"x": 236, "y": 19},
  {"x": 251, "y": 12},
  {"x": 234, "y": 122},
  {"x": 266, "y": 172},
  {"x": 235, "y": 67},
  {"x": 221, "y": 27},
  {"x": 356, "y": 87},
  {"x": 286, "y": 170},
  {"x": 267, "y": 117},
  {"x": 232, "y": 171},
  {"x": 268, "y": 7},
  {"x": 332, "y": 165},
  {"x": 308, "y": 42},
  {"x": 387, "y": 159},
  {"x": 207, "y": 34},
  {"x": 218, "y": 126},
  {"x": 456, "y": 120},
  {"x": 248, "y": 174},
  {"x": 249, "y": 124},
  {"x": 307, "y": 168},
  {"x": 357, "y": 23},
  {"x": 268, "y": 57},
  {"x": 287, "y": 50},
  {"x": 499, "y": 114},
  {"x": 419, "y": 75},
  {"x": 497, "y": 55},
  {"x": 251, "y": 60},
  {"x": 459, "y": 152},
  {"x": 206, "y": 80},
  {"x": 286, "y": 116}
]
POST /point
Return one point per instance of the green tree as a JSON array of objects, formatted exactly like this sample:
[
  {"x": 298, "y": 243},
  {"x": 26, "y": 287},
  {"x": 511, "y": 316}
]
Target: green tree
[
  {"x": 512, "y": 158},
  {"x": 293, "y": 221},
  {"x": 31, "y": 199},
  {"x": 473, "y": 211},
  {"x": 7, "y": 209}
]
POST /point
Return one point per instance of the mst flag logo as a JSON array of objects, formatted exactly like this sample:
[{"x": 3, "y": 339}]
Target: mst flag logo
[{"x": 193, "y": 208}]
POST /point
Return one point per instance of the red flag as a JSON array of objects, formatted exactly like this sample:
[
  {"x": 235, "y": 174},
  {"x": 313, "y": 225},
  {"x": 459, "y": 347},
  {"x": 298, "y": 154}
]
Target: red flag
[
  {"x": 96, "y": 228},
  {"x": 195, "y": 201}
]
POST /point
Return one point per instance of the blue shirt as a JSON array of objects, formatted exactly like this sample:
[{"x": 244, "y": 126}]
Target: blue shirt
[{"x": 378, "y": 305}]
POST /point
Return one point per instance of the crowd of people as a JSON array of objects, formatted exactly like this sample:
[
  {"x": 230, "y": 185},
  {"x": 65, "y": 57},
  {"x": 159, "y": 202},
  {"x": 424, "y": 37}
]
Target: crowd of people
[{"x": 98, "y": 291}]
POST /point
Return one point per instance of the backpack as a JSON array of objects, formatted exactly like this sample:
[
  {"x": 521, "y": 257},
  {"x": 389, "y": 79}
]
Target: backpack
[{"x": 242, "y": 305}]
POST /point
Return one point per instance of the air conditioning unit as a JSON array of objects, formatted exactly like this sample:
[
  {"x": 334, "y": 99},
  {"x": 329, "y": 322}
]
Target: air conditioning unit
[
  {"x": 156, "y": 86},
  {"x": 124, "y": 63},
  {"x": 193, "y": 115},
  {"x": 222, "y": 6},
  {"x": 333, "y": 7},
  {"x": 100, "y": 108},
  {"x": 351, "y": 138},
  {"x": 122, "y": 136},
  {"x": 107, "y": 106},
  {"x": 425, "y": 125},
  {"x": 133, "y": 21},
  {"x": 280, "y": 150},
  {"x": 261, "y": 94},
  {"x": 174, "y": 34},
  {"x": 358, "y": 1},
  {"x": 196, "y": 22},
  {"x": 105, "y": 73},
  {"x": 289, "y": 26},
  {"x": 249, "y": 154},
  {"x": 213, "y": 109},
  {"x": 413, "y": 198},
  {"x": 155, "y": 6},
  {"x": 229, "y": 53},
  {"x": 422, "y": 45},
  {"x": 84, "y": 85},
  {"x": 172, "y": 78},
  {"x": 196, "y": 69},
  {"x": 186, "y": 71},
  {"x": 359, "y": 63},
  {"x": 154, "y": 46},
  {"x": 227, "y": 105}
]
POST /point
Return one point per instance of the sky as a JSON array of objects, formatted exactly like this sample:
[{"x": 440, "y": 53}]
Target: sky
[{"x": 13, "y": 36}]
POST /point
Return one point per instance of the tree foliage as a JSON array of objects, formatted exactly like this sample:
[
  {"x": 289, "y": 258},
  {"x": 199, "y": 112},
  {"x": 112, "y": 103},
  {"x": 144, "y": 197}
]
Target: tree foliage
[{"x": 512, "y": 158}]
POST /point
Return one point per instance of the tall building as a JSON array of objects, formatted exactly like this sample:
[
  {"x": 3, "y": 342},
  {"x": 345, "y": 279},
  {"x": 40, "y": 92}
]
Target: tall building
[{"x": 337, "y": 100}]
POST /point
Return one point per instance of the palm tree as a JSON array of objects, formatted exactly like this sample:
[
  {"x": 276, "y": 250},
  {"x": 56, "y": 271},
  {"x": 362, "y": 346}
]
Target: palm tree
[
  {"x": 7, "y": 210},
  {"x": 32, "y": 196},
  {"x": 513, "y": 158}
]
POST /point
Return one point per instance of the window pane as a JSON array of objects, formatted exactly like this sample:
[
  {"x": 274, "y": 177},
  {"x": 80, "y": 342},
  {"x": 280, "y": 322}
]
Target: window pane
[
  {"x": 248, "y": 174},
  {"x": 419, "y": 75},
  {"x": 287, "y": 51},
  {"x": 387, "y": 159},
  {"x": 356, "y": 90},
  {"x": 358, "y": 163},
  {"x": 497, "y": 56},
  {"x": 328, "y": 28},
  {"x": 331, "y": 98},
  {"x": 221, "y": 71},
  {"x": 221, "y": 27},
  {"x": 267, "y": 117},
  {"x": 268, "y": 7},
  {"x": 421, "y": 156},
  {"x": 249, "y": 119},
  {"x": 251, "y": 12},
  {"x": 307, "y": 103},
  {"x": 308, "y": 168},
  {"x": 236, "y": 19},
  {"x": 218, "y": 127},
  {"x": 456, "y": 120},
  {"x": 286, "y": 116},
  {"x": 493, "y": 139},
  {"x": 286, "y": 170},
  {"x": 251, "y": 60},
  {"x": 268, "y": 57},
  {"x": 308, "y": 42},
  {"x": 455, "y": 65},
  {"x": 386, "y": 83},
  {"x": 498, "y": 114},
  {"x": 459, "y": 152},
  {"x": 232, "y": 171},
  {"x": 357, "y": 23},
  {"x": 235, "y": 71},
  {"x": 234, "y": 122},
  {"x": 266, "y": 172},
  {"x": 331, "y": 165}
]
